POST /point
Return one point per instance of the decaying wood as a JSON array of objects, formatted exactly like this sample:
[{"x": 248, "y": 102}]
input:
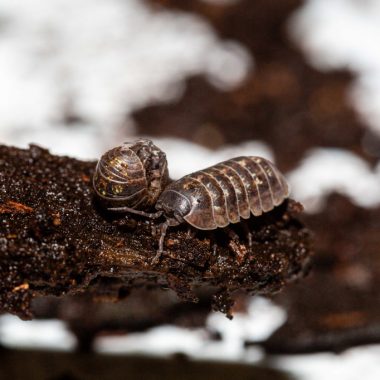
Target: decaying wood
[{"x": 55, "y": 239}]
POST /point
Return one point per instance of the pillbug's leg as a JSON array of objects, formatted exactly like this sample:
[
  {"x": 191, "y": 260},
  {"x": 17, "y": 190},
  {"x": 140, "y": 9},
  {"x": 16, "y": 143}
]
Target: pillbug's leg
[
  {"x": 154, "y": 229},
  {"x": 151, "y": 215},
  {"x": 248, "y": 234},
  {"x": 213, "y": 243},
  {"x": 164, "y": 226},
  {"x": 190, "y": 233},
  {"x": 250, "y": 242},
  {"x": 239, "y": 250},
  {"x": 214, "y": 248}
]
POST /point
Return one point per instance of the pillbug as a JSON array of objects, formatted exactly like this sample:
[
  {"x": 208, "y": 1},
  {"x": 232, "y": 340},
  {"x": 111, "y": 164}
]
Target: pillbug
[
  {"x": 132, "y": 175},
  {"x": 220, "y": 195}
]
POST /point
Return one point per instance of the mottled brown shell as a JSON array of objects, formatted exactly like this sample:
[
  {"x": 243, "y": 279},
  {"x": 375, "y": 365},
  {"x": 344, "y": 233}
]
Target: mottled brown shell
[
  {"x": 131, "y": 175},
  {"x": 231, "y": 190}
]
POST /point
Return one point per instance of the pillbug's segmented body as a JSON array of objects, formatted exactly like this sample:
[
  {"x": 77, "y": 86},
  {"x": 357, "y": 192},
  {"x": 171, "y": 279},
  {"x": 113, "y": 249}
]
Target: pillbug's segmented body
[
  {"x": 132, "y": 175},
  {"x": 224, "y": 193}
]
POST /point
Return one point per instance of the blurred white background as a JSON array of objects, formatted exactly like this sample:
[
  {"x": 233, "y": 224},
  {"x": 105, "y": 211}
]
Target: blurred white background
[
  {"x": 97, "y": 60},
  {"x": 92, "y": 62}
]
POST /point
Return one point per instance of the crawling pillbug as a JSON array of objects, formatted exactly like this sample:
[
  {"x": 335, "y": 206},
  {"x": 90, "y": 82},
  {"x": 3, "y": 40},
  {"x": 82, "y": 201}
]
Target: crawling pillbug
[
  {"x": 220, "y": 195},
  {"x": 224, "y": 193},
  {"x": 132, "y": 175}
]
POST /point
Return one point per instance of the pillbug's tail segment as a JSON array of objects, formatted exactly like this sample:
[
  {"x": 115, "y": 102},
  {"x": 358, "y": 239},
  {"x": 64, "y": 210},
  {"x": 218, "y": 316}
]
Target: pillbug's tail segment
[
  {"x": 284, "y": 182},
  {"x": 264, "y": 185},
  {"x": 277, "y": 183}
]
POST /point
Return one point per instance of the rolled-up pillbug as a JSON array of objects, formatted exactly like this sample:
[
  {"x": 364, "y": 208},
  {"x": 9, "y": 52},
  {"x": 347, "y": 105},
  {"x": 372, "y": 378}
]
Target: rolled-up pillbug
[
  {"x": 132, "y": 175},
  {"x": 220, "y": 195}
]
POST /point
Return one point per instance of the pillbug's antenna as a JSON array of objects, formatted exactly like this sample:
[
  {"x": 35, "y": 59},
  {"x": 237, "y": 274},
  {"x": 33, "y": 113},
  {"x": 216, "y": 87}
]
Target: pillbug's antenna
[{"x": 151, "y": 215}]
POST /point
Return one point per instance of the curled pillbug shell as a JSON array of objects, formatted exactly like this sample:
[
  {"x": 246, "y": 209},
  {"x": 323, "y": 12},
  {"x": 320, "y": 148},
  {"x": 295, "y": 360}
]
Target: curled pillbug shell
[{"x": 132, "y": 175}]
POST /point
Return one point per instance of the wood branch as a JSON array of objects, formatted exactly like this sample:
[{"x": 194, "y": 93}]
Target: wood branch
[{"x": 55, "y": 240}]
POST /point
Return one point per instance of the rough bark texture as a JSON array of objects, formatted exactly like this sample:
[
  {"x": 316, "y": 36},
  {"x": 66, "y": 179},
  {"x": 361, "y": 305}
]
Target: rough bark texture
[{"x": 55, "y": 240}]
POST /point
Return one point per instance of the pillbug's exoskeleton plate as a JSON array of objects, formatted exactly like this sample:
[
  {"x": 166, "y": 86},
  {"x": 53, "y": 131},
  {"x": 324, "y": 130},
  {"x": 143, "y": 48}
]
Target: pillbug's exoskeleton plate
[
  {"x": 225, "y": 193},
  {"x": 132, "y": 175},
  {"x": 221, "y": 195}
]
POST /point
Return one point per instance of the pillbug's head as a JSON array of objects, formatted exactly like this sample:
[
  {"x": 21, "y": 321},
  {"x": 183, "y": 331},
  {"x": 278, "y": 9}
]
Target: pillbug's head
[
  {"x": 174, "y": 204},
  {"x": 131, "y": 175}
]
